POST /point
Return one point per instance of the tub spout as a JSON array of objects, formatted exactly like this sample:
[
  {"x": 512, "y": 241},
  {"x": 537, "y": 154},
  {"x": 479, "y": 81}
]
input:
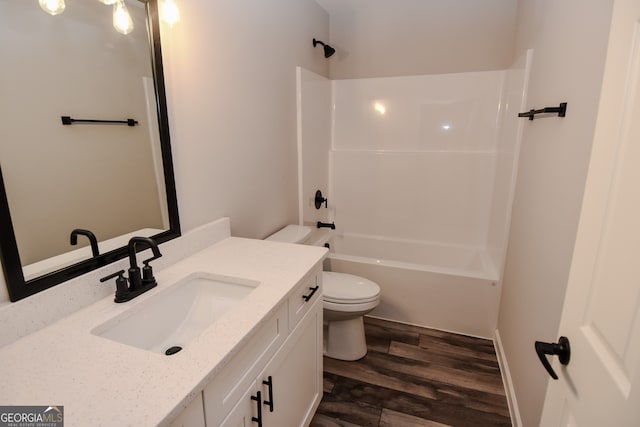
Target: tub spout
[{"x": 330, "y": 225}]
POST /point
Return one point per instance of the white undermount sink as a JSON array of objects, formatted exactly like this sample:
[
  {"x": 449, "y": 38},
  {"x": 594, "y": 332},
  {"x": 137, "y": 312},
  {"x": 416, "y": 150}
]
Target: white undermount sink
[{"x": 168, "y": 321}]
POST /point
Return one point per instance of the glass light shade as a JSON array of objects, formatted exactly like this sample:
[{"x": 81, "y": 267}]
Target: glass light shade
[
  {"x": 169, "y": 12},
  {"x": 108, "y": 2},
  {"x": 122, "y": 21},
  {"x": 52, "y": 7}
]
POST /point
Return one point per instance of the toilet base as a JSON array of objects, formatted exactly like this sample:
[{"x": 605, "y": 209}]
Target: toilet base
[{"x": 344, "y": 339}]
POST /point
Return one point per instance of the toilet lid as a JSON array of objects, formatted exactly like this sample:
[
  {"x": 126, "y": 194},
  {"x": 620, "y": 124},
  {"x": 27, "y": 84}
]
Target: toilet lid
[{"x": 345, "y": 288}]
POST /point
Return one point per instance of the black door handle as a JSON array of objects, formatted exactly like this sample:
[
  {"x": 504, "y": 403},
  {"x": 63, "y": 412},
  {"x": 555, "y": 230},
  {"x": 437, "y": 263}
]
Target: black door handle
[{"x": 560, "y": 349}]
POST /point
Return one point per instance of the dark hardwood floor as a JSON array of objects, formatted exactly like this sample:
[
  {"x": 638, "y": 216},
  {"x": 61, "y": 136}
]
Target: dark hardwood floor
[{"x": 414, "y": 376}]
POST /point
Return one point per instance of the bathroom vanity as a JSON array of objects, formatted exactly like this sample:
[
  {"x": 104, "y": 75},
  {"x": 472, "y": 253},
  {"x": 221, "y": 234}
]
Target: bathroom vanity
[
  {"x": 276, "y": 378},
  {"x": 259, "y": 363}
]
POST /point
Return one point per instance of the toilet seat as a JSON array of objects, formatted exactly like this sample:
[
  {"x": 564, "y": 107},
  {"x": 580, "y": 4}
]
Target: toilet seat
[
  {"x": 342, "y": 288},
  {"x": 348, "y": 308}
]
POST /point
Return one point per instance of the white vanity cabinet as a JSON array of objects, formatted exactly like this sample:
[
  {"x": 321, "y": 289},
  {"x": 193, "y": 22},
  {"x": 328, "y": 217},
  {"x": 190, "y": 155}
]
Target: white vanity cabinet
[
  {"x": 272, "y": 331},
  {"x": 276, "y": 379},
  {"x": 192, "y": 416}
]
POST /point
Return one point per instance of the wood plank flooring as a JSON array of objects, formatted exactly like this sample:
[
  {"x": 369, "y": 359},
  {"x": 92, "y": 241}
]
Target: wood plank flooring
[{"x": 414, "y": 376}]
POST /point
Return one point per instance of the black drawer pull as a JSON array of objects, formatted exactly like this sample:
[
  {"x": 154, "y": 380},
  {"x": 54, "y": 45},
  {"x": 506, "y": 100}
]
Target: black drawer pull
[
  {"x": 258, "y": 399},
  {"x": 269, "y": 402},
  {"x": 313, "y": 291}
]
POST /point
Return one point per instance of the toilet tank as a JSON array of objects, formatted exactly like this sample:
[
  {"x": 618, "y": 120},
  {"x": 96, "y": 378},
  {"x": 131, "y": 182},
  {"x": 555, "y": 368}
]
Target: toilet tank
[{"x": 291, "y": 234}]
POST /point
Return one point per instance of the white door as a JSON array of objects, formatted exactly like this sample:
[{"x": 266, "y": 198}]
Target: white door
[{"x": 601, "y": 316}]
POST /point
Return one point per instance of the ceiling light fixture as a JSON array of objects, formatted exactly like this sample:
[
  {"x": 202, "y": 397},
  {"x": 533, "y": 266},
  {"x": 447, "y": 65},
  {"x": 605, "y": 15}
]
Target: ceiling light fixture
[
  {"x": 169, "y": 12},
  {"x": 122, "y": 21},
  {"x": 52, "y": 7}
]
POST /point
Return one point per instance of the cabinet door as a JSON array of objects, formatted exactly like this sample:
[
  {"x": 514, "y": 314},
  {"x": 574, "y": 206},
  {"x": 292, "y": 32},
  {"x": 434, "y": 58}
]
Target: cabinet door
[
  {"x": 227, "y": 388},
  {"x": 296, "y": 375},
  {"x": 242, "y": 414}
]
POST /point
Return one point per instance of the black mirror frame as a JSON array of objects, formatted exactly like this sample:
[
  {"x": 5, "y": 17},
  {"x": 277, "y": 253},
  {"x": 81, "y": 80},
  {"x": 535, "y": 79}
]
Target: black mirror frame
[{"x": 16, "y": 285}]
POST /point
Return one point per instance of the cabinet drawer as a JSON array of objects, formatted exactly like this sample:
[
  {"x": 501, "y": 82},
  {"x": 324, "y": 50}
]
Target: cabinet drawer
[
  {"x": 303, "y": 298},
  {"x": 224, "y": 391}
]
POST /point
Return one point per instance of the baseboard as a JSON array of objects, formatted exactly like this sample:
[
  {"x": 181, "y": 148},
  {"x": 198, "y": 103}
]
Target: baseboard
[
  {"x": 402, "y": 322},
  {"x": 514, "y": 412}
]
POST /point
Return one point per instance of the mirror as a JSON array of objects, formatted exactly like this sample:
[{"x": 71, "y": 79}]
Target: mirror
[{"x": 114, "y": 179}]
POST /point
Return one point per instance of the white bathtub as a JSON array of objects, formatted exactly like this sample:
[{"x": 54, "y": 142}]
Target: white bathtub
[{"x": 451, "y": 288}]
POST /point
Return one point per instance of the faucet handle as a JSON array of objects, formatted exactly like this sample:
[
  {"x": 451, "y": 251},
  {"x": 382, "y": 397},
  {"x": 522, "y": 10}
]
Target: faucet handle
[
  {"x": 147, "y": 261},
  {"x": 122, "y": 287},
  {"x": 147, "y": 270},
  {"x": 319, "y": 200},
  {"x": 118, "y": 274}
]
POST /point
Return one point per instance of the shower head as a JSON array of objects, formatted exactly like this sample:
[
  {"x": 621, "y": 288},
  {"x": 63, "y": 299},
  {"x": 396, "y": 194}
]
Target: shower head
[{"x": 328, "y": 50}]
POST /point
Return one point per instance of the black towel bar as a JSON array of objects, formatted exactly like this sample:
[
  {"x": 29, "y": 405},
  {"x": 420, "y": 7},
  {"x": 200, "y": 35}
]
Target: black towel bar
[
  {"x": 66, "y": 120},
  {"x": 561, "y": 110}
]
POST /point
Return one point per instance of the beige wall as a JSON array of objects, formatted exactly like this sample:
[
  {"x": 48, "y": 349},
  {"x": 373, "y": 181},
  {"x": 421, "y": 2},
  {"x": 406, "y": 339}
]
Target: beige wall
[
  {"x": 569, "y": 39},
  {"x": 383, "y": 38},
  {"x": 230, "y": 68}
]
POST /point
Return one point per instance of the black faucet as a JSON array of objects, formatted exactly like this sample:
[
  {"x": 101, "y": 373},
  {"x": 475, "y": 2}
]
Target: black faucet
[
  {"x": 147, "y": 279},
  {"x": 92, "y": 239},
  {"x": 331, "y": 225},
  {"x": 136, "y": 284}
]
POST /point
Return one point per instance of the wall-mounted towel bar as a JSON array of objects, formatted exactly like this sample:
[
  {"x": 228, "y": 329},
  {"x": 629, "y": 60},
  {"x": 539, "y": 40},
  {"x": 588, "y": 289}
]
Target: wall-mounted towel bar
[
  {"x": 66, "y": 120},
  {"x": 561, "y": 110}
]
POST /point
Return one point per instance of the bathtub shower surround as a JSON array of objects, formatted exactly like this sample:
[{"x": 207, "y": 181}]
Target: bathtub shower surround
[
  {"x": 421, "y": 172},
  {"x": 413, "y": 158}
]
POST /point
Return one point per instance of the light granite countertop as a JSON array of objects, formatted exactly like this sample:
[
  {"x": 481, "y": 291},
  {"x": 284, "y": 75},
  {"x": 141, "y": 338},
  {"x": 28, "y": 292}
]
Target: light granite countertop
[{"x": 105, "y": 383}]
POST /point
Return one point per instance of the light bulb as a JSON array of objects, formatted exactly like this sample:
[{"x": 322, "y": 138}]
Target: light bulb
[
  {"x": 122, "y": 21},
  {"x": 169, "y": 12},
  {"x": 52, "y": 7},
  {"x": 108, "y": 2}
]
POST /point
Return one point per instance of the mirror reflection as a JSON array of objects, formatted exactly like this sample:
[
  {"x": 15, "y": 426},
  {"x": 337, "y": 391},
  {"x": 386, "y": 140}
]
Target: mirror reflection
[{"x": 104, "y": 178}]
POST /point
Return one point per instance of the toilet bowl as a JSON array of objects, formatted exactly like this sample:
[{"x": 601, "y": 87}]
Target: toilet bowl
[{"x": 346, "y": 299}]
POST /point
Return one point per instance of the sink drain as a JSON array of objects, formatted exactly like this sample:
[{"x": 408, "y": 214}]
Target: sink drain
[{"x": 173, "y": 350}]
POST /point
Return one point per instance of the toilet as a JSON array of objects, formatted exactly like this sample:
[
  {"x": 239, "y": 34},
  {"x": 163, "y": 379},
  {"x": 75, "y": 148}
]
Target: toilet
[{"x": 346, "y": 299}]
